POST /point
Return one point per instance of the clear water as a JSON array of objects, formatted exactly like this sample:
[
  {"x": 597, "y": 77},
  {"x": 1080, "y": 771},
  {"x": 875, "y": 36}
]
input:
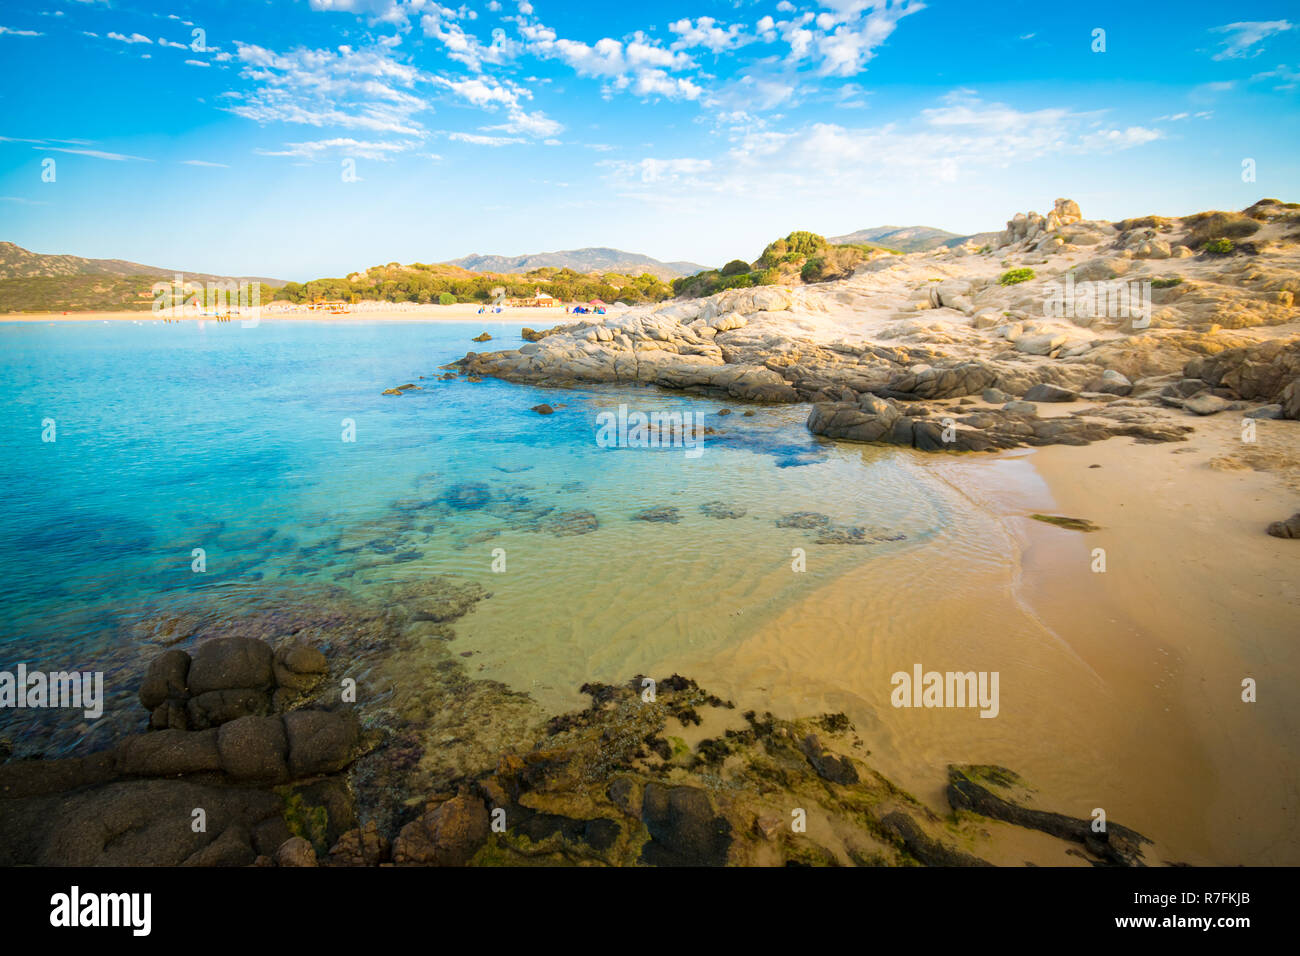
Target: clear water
[{"x": 172, "y": 437}]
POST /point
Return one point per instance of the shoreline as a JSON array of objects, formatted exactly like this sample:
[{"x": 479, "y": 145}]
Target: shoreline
[{"x": 460, "y": 312}]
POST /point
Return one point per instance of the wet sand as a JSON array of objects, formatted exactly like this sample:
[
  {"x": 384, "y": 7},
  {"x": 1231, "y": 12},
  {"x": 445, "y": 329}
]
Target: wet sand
[{"x": 1119, "y": 690}]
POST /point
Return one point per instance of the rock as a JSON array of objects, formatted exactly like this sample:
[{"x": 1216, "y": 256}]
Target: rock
[
  {"x": 1021, "y": 408},
  {"x": 970, "y": 789},
  {"x": 1043, "y": 392},
  {"x": 543, "y": 409},
  {"x": 254, "y": 748},
  {"x": 569, "y": 523},
  {"x": 364, "y": 846},
  {"x": 666, "y": 515},
  {"x": 1153, "y": 249},
  {"x": 446, "y": 836},
  {"x": 319, "y": 741},
  {"x": 720, "y": 509},
  {"x": 216, "y": 707},
  {"x": 1266, "y": 412},
  {"x": 1205, "y": 404},
  {"x": 392, "y": 391},
  {"x": 826, "y": 764},
  {"x": 1040, "y": 344},
  {"x": 299, "y": 668},
  {"x": 231, "y": 848},
  {"x": 295, "y": 851},
  {"x": 925, "y": 849},
  {"x": 684, "y": 831},
  {"x": 1290, "y": 528},
  {"x": 225, "y": 663},
  {"x": 169, "y": 753},
  {"x": 1112, "y": 383},
  {"x": 165, "y": 678},
  {"x": 483, "y": 337},
  {"x": 995, "y": 396}
]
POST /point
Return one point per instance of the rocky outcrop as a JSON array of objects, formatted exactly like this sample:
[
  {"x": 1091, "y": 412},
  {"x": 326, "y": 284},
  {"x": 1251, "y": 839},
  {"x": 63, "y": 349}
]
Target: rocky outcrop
[
  {"x": 227, "y": 679},
  {"x": 878, "y": 420},
  {"x": 198, "y": 791},
  {"x": 1268, "y": 372}
]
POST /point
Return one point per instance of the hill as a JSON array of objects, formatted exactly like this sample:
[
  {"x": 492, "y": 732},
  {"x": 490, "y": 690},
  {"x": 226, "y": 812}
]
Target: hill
[
  {"x": 903, "y": 238},
  {"x": 592, "y": 259},
  {"x": 34, "y": 282},
  {"x": 19, "y": 263}
]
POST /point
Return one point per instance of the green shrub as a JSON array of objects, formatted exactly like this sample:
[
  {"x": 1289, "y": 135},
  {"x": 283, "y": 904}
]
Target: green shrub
[
  {"x": 1166, "y": 283},
  {"x": 798, "y": 245},
  {"x": 1218, "y": 247},
  {"x": 1013, "y": 276},
  {"x": 446, "y": 298},
  {"x": 813, "y": 269},
  {"x": 735, "y": 267}
]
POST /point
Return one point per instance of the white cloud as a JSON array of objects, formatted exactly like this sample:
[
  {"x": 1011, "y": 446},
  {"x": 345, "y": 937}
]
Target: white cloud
[
  {"x": 354, "y": 89},
  {"x": 342, "y": 146},
  {"x": 133, "y": 38},
  {"x": 7, "y": 31},
  {"x": 706, "y": 32},
  {"x": 1243, "y": 39},
  {"x": 95, "y": 154},
  {"x": 197, "y": 63},
  {"x": 960, "y": 137},
  {"x": 531, "y": 124},
  {"x": 478, "y": 139}
]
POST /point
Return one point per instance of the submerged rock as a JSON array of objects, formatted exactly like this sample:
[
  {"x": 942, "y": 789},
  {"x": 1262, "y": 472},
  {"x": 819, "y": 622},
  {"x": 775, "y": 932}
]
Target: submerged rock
[{"x": 662, "y": 515}]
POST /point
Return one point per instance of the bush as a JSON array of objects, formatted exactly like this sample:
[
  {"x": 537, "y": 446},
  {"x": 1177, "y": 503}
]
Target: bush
[
  {"x": 1014, "y": 276},
  {"x": 1219, "y": 225},
  {"x": 798, "y": 245},
  {"x": 1218, "y": 247},
  {"x": 446, "y": 298},
  {"x": 813, "y": 269},
  {"x": 735, "y": 267},
  {"x": 1166, "y": 283}
]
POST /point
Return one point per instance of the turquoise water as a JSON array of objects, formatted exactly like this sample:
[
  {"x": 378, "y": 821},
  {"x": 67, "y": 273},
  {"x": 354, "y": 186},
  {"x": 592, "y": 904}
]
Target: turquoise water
[{"x": 182, "y": 436}]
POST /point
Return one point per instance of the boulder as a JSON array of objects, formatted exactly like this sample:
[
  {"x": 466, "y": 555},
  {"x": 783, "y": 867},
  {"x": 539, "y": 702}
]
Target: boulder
[
  {"x": 319, "y": 741},
  {"x": 446, "y": 836},
  {"x": 165, "y": 679},
  {"x": 684, "y": 830},
  {"x": 1205, "y": 404},
  {"x": 224, "y": 663},
  {"x": 1290, "y": 528},
  {"x": 295, "y": 851},
  {"x": 254, "y": 748},
  {"x": 1045, "y": 392}
]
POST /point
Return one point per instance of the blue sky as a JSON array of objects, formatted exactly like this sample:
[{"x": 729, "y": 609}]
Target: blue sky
[{"x": 690, "y": 129}]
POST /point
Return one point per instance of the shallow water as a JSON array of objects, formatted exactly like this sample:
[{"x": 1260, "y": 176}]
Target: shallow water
[{"x": 176, "y": 437}]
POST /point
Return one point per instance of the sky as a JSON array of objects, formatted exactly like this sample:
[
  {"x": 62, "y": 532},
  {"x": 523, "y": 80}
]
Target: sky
[{"x": 315, "y": 138}]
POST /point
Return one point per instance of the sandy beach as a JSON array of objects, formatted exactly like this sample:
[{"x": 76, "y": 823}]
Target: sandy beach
[
  {"x": 364, "y": 312},
  {"x": 1120, "y": 690}
]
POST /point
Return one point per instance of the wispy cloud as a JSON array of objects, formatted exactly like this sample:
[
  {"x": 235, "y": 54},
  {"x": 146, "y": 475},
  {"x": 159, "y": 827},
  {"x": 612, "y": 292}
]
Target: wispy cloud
[
  {"x": 478, "y": 139},
  {"x": 1245, "y": 38},
  {"x": 95, "y": 154},
  {"x": 9, "y": 31}
]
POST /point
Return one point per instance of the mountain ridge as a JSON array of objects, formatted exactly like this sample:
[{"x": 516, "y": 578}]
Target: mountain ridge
[
  {"x": 19, "y": 263},
  {"x": 586, "y": 259}
]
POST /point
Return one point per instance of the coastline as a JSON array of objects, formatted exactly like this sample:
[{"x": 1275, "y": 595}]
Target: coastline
[{"x": 375, "y": 312}]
